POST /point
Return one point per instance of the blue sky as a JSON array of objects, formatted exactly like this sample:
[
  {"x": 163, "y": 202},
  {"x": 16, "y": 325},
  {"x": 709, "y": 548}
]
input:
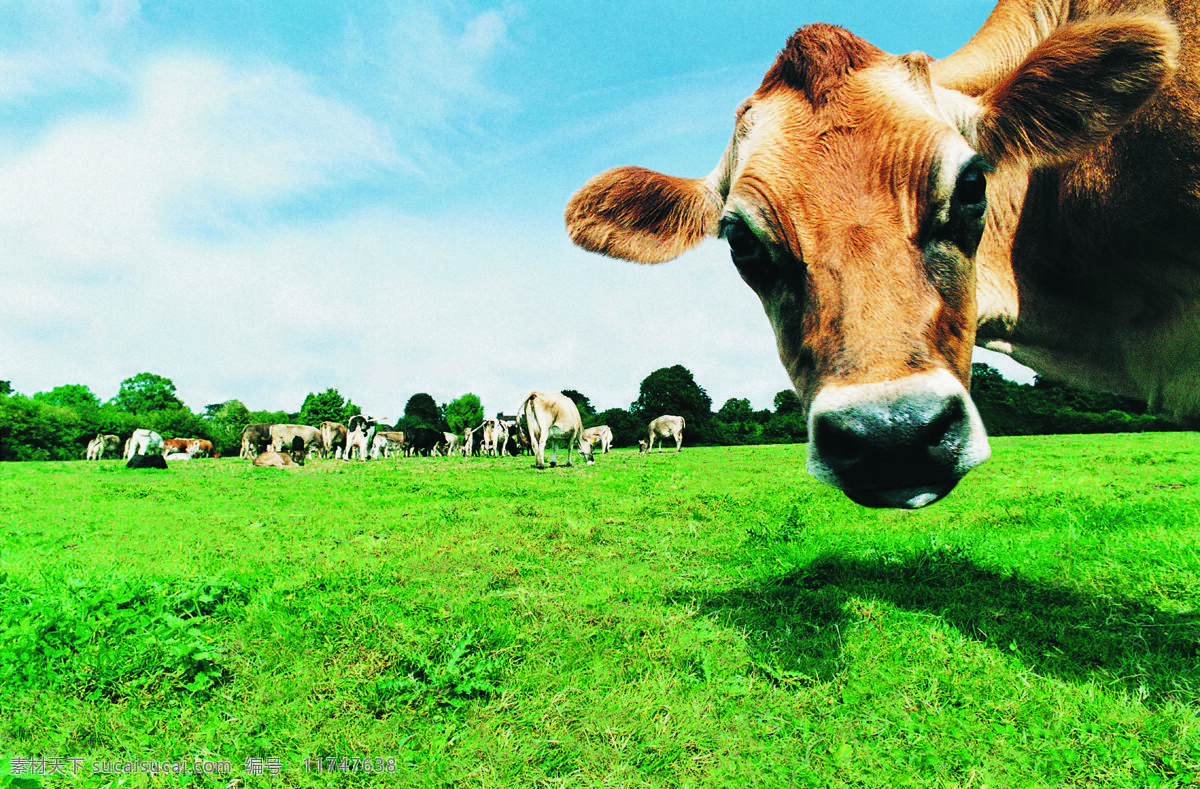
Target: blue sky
[{"x": 263, "y": 199}]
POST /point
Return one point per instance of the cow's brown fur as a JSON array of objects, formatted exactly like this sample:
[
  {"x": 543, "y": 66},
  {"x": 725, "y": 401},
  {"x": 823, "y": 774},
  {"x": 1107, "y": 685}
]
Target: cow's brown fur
[
  {"x": 271, "y": 459},
  {"x": 843, "y": 166}
]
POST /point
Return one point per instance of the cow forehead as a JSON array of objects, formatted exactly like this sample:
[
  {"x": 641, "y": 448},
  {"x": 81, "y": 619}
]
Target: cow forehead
[{"x": 886, "y": 137}]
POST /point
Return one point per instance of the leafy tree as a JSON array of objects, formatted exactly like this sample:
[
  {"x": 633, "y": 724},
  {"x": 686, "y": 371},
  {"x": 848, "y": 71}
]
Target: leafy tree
[
  {"x": 175, "y": 423},
  {"x": 422, "y": 411},
  {"x": 146, "y": 392},
  {"x": 627, "y": 429},
  {"x": 6, "y": 387},
  {"x": 1009, "y": 408},
  {"x": 788, "y": 402},
  {"x": 582, "y": 402},
  {"x": 788, "y": 424},
  {"x": 466, "y": 411},
  {"x": 272, "y": 417},
  {"x": 737, "y": 423},
  {"x": 673, "y": 390},
  {"x": 329, "y": 406},
  {"x": 736, "y": 409},
  {"x": 76, "y": 396},
  {"x": 225, "y": 422},
  {"x": 34, "y": 430}
]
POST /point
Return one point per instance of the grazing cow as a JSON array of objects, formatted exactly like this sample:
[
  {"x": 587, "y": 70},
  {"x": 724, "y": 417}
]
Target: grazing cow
[
  {"x": 468, "y": 442},
  {"x": 103, "y": 444},
  {"x": 393, "y": 442},
  {"x": 360, "y": 434},
  {"x": 285, "y": 436},
  {"x": 175, "y": 446},
  {"x": 494, "y": 437},
  {"x": 1036, "y": 192},
  {"x": 601, "y": 433},
  {"x": 666, "y": 427},
  {"x": 144, "y": 442},
  {"x": 422, "y": 440},
  {"x": 201, "y": 447},
  {"x": 255, "y": 439},
  {"x": 450, "y": 443},
  {"x": 387, "y": 443},
  {"x": 642, "y": 447},
  {"x": 144, "y": 460},
  {"x": 333, "y": 439},
  {"x": 552, "y": 416}
]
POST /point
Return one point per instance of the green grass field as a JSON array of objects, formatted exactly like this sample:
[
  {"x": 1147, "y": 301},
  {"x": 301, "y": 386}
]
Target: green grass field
[{"x": 710, "y": 619}]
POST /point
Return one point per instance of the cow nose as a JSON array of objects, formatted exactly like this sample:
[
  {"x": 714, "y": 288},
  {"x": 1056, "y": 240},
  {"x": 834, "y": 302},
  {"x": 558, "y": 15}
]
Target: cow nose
[{"x": 899, "y": 444}]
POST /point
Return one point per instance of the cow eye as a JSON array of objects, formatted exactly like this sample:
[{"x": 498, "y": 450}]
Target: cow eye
[
  {"x": 750, "y": 255},
  {"x": 971, "y": 189}
]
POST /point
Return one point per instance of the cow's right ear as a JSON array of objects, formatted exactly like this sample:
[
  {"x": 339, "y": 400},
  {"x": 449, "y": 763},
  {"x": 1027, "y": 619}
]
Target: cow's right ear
[{"x": 643, "y": 216}]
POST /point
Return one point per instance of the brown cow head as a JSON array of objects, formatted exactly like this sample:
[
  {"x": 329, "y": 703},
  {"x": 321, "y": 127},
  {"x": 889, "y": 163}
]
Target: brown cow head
[{"x": 854, "y": 197}]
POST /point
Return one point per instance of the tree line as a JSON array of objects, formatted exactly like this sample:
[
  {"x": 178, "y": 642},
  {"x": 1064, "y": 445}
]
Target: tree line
[{"x": 56, "y": 425}]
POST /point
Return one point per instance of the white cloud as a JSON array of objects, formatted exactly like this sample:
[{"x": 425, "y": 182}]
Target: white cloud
[
  {"x": 203, "y": 144},
  {"x": 438, "y": 61},
  {"x": 63, "y": 44}
]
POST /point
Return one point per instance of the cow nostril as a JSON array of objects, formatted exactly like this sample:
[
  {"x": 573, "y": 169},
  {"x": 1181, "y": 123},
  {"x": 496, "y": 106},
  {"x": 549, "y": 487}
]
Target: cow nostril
[
  {"x": 941, "y": 430},
  {"x": 841, "y": 445}
]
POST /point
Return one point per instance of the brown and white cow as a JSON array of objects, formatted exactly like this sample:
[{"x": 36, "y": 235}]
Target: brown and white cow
[
  {"x": 553, "y": 417},
  {"x": 175, "y": 446},
  {"x": 665, "y": 427},
  {"x": 601, "y": 434},
  {"x": 201, "y": 447},
  {"x": 1036, "y": 192}
]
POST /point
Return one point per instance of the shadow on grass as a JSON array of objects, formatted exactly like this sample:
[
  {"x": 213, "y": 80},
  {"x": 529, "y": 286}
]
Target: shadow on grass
[{"x": 793, "y": 623}]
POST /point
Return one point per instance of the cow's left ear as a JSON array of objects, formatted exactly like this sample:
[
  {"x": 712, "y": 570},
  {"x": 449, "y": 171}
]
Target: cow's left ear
[
  {"x": 1075, "y": 88},
  {"x": 642, "y": 215}
]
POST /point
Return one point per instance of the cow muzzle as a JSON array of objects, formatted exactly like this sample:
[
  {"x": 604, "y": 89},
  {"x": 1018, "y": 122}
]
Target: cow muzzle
[{"x": 903, "y": 443}]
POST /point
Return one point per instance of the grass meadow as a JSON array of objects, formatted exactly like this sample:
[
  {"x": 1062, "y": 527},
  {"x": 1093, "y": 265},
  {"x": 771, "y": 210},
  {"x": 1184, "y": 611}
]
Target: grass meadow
[{"x": 710, "y": 619}]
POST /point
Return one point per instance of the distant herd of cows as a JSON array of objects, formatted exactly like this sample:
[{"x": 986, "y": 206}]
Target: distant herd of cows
[{"x": 545, "y": 419}]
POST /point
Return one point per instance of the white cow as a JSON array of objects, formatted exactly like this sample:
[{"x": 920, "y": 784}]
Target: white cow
[
  {"x": 601, "y": 433},
  {"x": 103, "y": 444},
  {"x": 664, "y": 427},
  {"x": 493, "y": 438},
  {"x": 551, "y": 416},
  {"x": 144, "y": 442}
]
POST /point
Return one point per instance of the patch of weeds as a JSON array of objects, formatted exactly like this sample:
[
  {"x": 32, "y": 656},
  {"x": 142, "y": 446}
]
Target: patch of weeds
[
  {"x": 113, "y": 639},
  {"x": 769, "y": 529},
  {"x": 451, "y": 672}
]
